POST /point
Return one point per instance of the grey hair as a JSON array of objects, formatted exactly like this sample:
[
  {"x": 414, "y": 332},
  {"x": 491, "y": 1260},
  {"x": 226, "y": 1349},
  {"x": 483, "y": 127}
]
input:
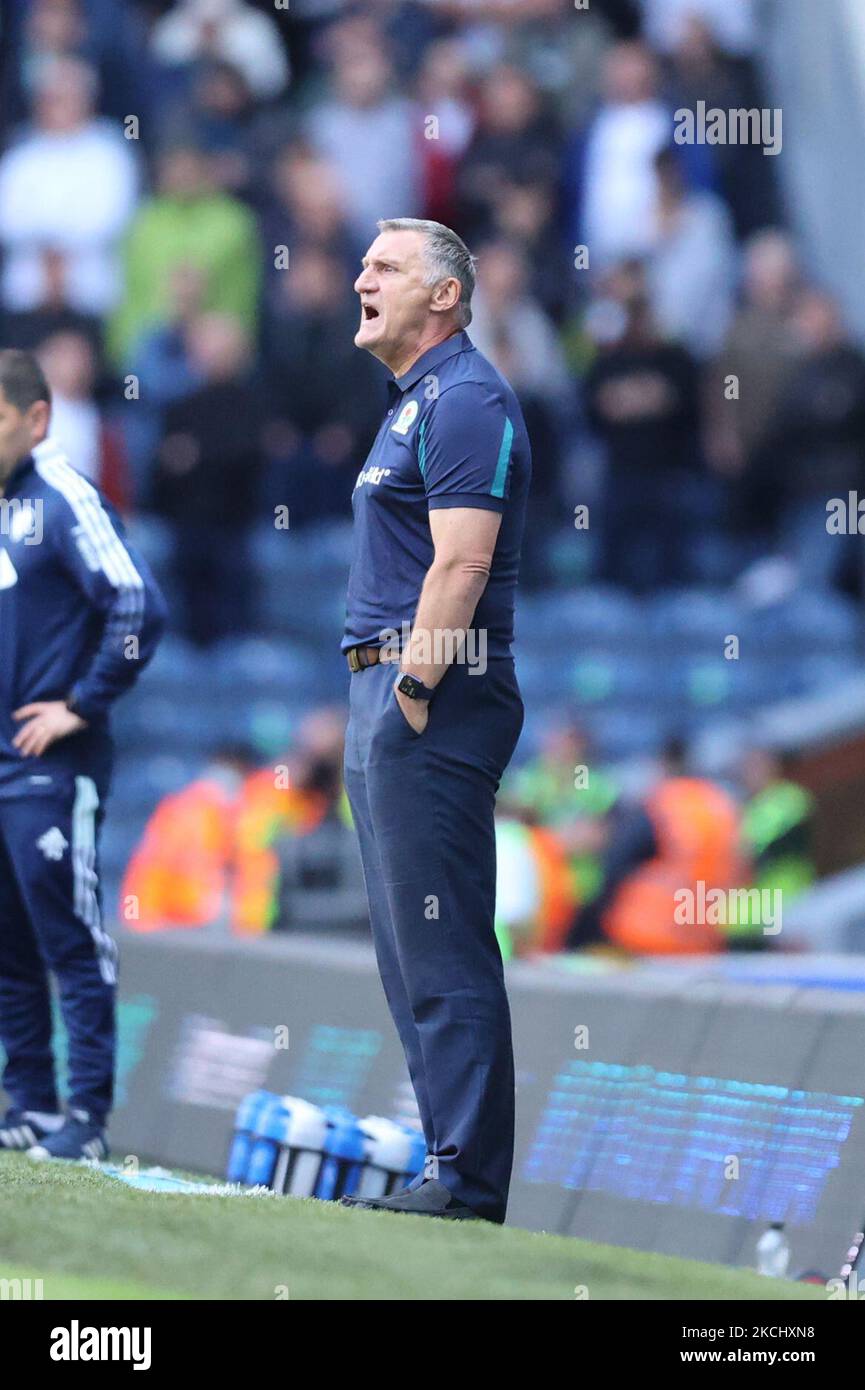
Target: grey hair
[{"x": 446, "y": 256}]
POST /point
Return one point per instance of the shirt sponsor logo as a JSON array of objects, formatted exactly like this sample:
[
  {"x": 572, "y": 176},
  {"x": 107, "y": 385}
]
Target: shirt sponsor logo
[
  {"x": 406, "y": 418},
  {"x": 371, "y": 475}
]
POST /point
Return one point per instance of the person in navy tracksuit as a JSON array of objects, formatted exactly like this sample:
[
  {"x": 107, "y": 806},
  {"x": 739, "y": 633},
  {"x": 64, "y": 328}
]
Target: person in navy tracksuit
[
  {"x": 439, "y": 511},
  {"x": 80, "y": 616}
]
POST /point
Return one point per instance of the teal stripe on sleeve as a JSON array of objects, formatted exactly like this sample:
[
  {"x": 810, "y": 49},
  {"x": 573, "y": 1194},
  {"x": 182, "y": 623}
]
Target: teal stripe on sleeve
[
  {"x": 498, "y": 487},
  {"x": 421, "y": 449}
]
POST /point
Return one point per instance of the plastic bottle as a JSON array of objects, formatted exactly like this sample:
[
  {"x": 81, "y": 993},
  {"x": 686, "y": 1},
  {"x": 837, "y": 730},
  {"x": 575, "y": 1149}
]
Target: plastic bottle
[
  {"x": 773, "y": 1252},
  {"x": 269, "y": 1134},
  {"x": 343, "y": 1155},
  {"x": 298, "y": 1162},
  {"x": 388, "y": 1153},
  {"x": 248, "y": 1114}
]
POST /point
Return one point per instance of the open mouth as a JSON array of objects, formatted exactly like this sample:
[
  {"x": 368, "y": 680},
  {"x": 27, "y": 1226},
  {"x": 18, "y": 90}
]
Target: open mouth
[{"x": 369, "y": 312}]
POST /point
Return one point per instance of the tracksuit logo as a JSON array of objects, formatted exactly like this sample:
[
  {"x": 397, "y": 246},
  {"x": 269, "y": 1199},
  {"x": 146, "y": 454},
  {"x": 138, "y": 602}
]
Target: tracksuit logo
[{"x": 53, "y": 843}]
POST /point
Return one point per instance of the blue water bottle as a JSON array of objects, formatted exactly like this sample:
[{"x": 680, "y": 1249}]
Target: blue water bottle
[
  {"x": 343, "y": 1155},
  {"x": 248, "y": 1113},
  {"x": 388, "y": 1149},
  {"x": 268, "y": 1136}
]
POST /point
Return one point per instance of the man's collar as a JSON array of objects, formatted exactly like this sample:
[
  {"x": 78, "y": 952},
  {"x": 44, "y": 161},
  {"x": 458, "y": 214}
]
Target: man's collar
[
  {"x": 428, "y": 361},
  {"x": 17, "y": 474}
]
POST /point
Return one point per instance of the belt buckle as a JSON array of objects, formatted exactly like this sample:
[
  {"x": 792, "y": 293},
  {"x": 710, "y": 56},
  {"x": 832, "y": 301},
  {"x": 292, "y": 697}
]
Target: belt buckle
[{"x": 353, "y": 659}]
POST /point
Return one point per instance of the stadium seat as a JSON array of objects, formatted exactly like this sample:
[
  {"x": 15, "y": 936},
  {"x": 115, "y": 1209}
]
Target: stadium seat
[
  {"x": 810, "y": 622},
  {"x": 712, "y": 684},
  {"x": 595, "y": 614},
  {"x": 170, "y": 724},
  {"x": 316, "y": 555},
  {"x": 330, "y": 546},
  {"x": 257, "y": 662},
  {"x": 152, "y": 537},
  {"x": 572, "y": 555},
  {"x": 818, "y": 671},
  {"x": 176, "y": 665},
  {"x": 600, "y": 678},
  {"x": 620, "y": 733},
  {"x": 145, "y": 780},
  {"x": 303, "y": 611},
  {"x": 276, "y": 552},
  {"x": 690, "y": 618}
]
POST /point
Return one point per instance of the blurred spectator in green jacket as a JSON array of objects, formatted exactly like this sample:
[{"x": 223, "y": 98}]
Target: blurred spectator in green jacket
[
  {"x": 188, "y": 222},
  {"x": 777, "y": 824},
  {"x": 560, "y": 790}
]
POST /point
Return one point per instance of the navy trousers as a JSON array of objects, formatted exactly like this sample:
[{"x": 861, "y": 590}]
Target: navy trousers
[
  {"x": 51, "y": 921},
  {"x": 423, "y": 809}
]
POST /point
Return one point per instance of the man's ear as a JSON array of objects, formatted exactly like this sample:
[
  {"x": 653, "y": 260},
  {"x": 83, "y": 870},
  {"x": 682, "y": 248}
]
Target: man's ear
[
  {"x": 446, "y": 296},
  {"x": 39, "y": 418}
]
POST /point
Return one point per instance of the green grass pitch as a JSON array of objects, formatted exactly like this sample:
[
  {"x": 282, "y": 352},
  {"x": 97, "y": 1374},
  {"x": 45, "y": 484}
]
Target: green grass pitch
[{"x": 88, "y": 1236}]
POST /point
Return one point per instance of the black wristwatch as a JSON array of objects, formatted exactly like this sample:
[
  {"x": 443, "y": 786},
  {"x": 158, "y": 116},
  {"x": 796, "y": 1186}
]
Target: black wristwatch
[{"x": 415, "y": 690}]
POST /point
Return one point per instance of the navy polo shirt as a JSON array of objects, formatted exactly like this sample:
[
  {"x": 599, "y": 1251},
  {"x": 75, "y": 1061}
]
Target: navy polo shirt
[{"x": 453, "y": 436}]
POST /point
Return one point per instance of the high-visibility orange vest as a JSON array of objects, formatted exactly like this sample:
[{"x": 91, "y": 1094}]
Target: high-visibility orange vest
[
  {"x": 558, "y": 899},
  {"x": 178, "y": 874},
  {"x": 265, "y": 811},
  {"x": 696, "y": 827},
  {"x": 204, "y": 851}
]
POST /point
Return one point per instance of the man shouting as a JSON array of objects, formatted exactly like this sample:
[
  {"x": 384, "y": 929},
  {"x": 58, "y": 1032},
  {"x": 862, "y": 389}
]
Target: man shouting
[{"x": 435, "y": 707}]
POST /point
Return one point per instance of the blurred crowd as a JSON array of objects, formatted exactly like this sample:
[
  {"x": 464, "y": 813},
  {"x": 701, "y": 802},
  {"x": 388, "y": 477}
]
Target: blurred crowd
[
  {"x": 584, "y": 863},
  {"x": 186, "y": 191}
]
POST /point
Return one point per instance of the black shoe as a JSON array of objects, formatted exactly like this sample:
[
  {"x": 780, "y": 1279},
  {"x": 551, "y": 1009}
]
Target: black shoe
[
  {"x": 362, "y": 1201},
  {"x": 430, "y": 1199}
]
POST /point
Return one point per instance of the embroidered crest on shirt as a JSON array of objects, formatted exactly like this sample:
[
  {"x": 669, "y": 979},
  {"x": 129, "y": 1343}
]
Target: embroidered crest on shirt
[{"x": 406, "y": 418}]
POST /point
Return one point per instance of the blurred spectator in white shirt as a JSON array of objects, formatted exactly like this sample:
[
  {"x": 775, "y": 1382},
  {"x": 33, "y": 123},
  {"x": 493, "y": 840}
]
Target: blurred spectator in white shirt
[
  {"x": 69, "y": 362},
  {"x": 631, "y": 128},
  {"x": 733, "y": 22},
  {"x": 369, "y": 135},
  {"x": 229, "y": 30},
  {"x": 511, "y": 329},
  {"x": 692, "y": 270},
  {"x": 69, "y": 186}
]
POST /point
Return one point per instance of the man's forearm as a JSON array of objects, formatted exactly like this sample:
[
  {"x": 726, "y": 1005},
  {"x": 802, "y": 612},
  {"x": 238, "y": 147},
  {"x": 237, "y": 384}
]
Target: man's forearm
[{"x": 450, "y": 595}]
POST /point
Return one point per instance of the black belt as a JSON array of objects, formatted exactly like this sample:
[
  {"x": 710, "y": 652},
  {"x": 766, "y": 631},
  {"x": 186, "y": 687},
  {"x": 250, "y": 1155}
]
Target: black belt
[{"x": 359, "y": 658}]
